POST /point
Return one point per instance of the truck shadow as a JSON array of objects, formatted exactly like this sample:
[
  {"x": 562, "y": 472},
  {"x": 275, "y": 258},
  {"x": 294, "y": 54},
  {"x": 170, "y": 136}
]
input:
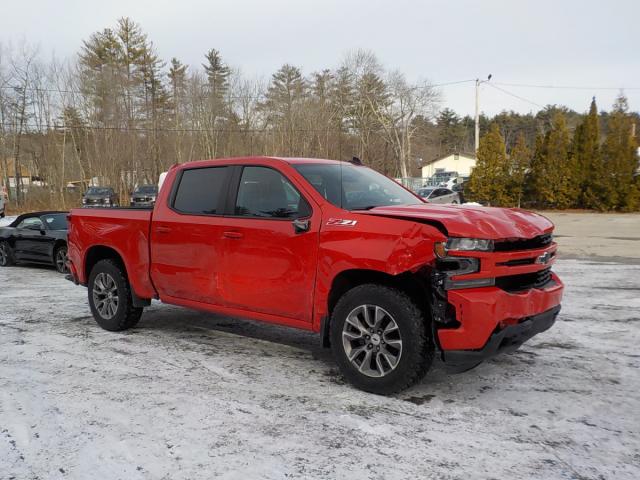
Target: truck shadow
[
  {"x": 201, "y": 327},
  {"x": 185, "y": 323}
]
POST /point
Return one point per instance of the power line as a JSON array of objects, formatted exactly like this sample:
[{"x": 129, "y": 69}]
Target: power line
[
  {"x": 451, "y": 83},
  {"x": 53, "y": 126},
  {"x": 564, "y": 87},
  {"x": 515, "y": 96},
  {"x": 233, "y": 97}
]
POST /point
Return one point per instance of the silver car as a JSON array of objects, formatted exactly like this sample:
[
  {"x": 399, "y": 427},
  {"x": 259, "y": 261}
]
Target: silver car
[{"x": 439, "y": 195}]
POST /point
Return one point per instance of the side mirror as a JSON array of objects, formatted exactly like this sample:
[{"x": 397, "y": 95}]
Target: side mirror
[{"x": 301, "y": 225}]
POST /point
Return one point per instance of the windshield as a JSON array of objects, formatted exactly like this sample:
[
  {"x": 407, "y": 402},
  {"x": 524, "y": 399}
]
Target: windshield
[
  {"x": 425, "y": 192},
  {"x": 146, "y": 189},
  {"x": 99, "y": 191},
  {"x": 55, "y": 221},
  {"x": 362, "y": 188}
]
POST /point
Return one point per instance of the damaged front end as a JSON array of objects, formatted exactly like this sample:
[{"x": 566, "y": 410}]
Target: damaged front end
[{"x": 488, "y": 299}]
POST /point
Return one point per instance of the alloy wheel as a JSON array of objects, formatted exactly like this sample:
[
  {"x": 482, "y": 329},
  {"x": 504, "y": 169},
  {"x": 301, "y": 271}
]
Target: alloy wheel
[
  {"x": 4, "y": 256},
  {"x": 105, "y": 295},
  {"x": 372, "y": 341},
  {"x": 61, "y": 260}
]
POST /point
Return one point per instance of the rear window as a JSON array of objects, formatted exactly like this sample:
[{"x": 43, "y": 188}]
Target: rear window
[{"x": 201, "y": 190}]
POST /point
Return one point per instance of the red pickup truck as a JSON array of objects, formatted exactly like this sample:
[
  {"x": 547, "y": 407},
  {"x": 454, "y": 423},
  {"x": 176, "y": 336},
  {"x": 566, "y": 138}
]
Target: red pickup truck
[{"x": 385, "y": 278}]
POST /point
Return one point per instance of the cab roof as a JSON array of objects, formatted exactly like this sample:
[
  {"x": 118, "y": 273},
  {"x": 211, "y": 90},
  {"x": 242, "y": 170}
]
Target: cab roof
[{"x": 242, "y": 160}]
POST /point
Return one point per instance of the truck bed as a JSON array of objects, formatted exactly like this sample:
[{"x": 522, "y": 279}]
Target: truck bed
[{"x": 125, "y": 230}]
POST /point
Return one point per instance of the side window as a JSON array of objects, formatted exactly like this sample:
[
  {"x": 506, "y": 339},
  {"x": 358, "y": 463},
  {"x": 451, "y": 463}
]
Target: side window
[
  {"x": 265, "y": 192},
  {"x": 34, "y": 223},
  {"x": 201, "y": 191}
]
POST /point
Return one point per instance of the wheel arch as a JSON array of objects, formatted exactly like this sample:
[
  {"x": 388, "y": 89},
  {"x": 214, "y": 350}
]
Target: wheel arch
[
  {"x": 101, "y": 252},
  {"x": 414, "y": 284},
  {"x": 56, "y": 245}
]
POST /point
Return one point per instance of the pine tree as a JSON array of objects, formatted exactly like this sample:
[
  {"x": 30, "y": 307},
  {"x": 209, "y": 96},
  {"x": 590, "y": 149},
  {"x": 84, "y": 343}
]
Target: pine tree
[
  {"x": 489, "y": 182},
  {"x": 519, "y": 160},
  {"x": 590, "y": 173},
  {"x": 451, "y": 131},
  {"x": 621, "y": 159},
  {"x": 178, "y": 84},
  {"x": 552, "y": 174},
  {"x": 288, "y": 88},
  {"x": 535, "y": 184},
  {"x": 217, "y": 75}
]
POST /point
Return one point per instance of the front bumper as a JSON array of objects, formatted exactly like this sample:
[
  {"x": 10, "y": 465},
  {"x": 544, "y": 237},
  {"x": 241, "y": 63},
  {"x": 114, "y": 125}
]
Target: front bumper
[
  {"x": 477, "y": 323},
  {"x": 506, "y": 340}
]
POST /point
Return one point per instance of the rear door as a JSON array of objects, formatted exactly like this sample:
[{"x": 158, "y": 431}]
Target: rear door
[
  {"x": 186, "y": 236},
  {"x": 270, "y": 246}
]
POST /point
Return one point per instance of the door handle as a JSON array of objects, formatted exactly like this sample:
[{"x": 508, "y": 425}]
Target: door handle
[
  {"x": 233, "y": 235},
  {"x": 162, "y": 229}
]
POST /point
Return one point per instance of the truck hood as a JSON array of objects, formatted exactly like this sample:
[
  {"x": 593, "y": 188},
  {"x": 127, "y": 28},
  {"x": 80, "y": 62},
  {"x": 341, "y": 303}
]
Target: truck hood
[{"x": 472, "y": 221}]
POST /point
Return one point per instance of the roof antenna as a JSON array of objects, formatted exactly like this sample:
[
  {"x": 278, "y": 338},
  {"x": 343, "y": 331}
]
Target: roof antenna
[{"x": 355, "y": 161}]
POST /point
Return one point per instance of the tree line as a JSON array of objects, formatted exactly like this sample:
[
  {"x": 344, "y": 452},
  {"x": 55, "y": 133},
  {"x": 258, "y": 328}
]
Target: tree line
[
  {"x": 119, "y": 113},
  {"x": 561, "y": 170}
]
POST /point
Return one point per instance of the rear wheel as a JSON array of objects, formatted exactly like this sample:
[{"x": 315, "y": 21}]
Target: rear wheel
[
  {"x": 110, "y": 297},
  {"x": 380, "y": 339},
  {"x": 60, "y": 259},
  {"x": 6, "y": 255}
]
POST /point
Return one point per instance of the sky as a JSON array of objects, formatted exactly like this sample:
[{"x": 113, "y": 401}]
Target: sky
[{"x": 561, "y": 43}]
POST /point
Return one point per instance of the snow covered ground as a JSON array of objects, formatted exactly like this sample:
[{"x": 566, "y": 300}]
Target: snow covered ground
[{"x": 192, "y": 395}]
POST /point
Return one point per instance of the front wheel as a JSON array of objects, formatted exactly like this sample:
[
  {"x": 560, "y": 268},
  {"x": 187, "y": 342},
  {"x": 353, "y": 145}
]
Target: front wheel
[
  {"x": 110, "y": 297},
  {"x": 380, "y": 339}
]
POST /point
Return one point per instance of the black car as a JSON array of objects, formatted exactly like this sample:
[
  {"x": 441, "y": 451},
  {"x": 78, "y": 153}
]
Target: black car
[
  {"x": 39, "y": 237},
  {"x": 144, "y": 196},
  {"x": 100, "y": 197}
]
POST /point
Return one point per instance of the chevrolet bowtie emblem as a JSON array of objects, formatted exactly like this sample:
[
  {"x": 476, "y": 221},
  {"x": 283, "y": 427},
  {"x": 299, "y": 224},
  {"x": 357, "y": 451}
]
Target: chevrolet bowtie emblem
[{"x": 544, "y": 258}]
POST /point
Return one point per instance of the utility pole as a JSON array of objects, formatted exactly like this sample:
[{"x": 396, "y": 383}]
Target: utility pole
[{"x": 477, "y": 118}]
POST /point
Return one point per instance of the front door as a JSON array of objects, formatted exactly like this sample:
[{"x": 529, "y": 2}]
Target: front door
[
  {"x": 270, "y": 247},
  {"x": 28, "y": 240},
  {"x": 186, "y": 237}
]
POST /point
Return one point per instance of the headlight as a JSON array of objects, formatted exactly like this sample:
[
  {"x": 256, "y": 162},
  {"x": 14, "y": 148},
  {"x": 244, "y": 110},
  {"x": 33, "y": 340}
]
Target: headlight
[
  {"x": 469, "y": 244},
  {"x": 84, "y": 201}
]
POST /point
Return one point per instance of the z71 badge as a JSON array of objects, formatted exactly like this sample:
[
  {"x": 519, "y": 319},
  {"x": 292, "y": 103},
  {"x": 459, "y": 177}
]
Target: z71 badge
[{"x": 341, "y": 222}]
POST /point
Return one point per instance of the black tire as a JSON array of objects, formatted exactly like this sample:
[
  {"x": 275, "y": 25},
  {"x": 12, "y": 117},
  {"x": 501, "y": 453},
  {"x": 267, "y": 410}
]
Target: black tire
[
  {"x": 125, "y": 315},
  {"x": 60, "y": 255},
  {"x": 7, "y": 258},
  {"x": 417, "y": 345}
]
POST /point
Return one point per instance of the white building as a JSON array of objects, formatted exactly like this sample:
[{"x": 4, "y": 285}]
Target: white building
[{"x": 455, "y": 162}]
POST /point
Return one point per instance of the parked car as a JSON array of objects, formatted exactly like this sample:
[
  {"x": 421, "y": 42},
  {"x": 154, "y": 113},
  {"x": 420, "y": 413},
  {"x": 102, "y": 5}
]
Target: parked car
[
  {"x": 3, "y": 204},
  {"x": 39, "y": 237},
  {"x": 386, "y": 279},
  {"x": 100, "y": 197},
  {"x": 144, "y": 196},
  {"x": 439, "y": 195}
]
